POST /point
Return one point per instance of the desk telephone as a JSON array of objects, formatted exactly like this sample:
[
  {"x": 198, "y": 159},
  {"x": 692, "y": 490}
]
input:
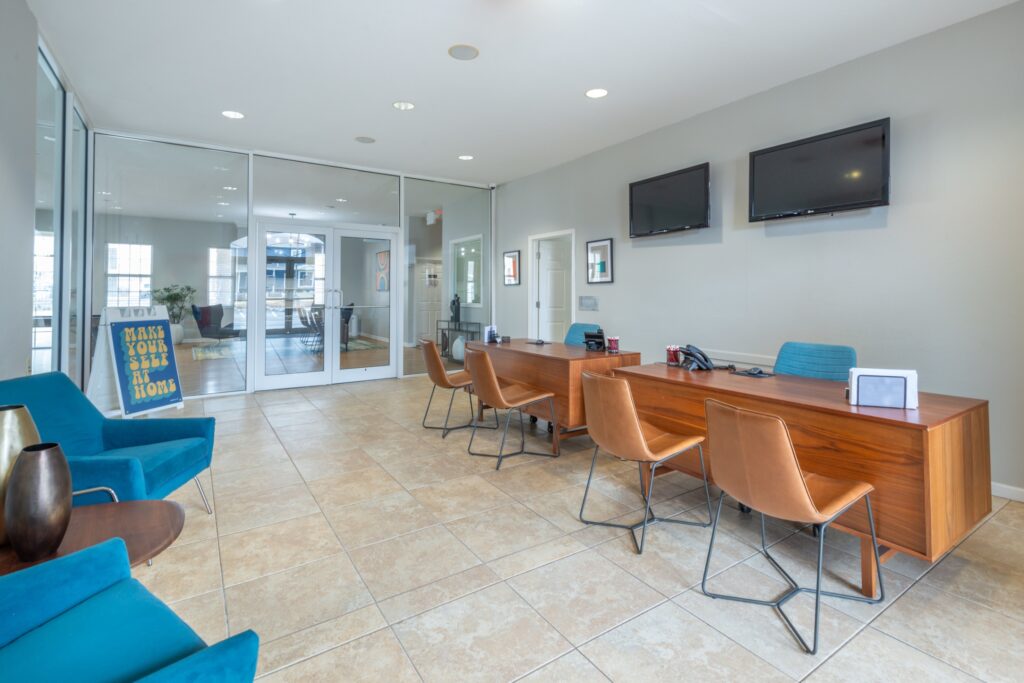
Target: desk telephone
[{"x": 692, "y": 358}]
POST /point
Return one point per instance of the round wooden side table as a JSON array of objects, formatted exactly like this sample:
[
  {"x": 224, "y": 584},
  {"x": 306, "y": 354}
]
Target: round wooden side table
[{"x": 148, "y": 527}]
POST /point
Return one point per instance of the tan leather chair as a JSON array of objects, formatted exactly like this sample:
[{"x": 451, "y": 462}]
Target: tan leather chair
[
  {"x": 756, "y": 464},
  {"x": 614, "y": 425},
  {"x": 512, "y": 397},
  {"x": 445, "y": 380}
]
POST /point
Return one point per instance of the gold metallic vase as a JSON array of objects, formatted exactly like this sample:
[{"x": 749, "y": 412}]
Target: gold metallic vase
[{"x": 17, "y": 430}]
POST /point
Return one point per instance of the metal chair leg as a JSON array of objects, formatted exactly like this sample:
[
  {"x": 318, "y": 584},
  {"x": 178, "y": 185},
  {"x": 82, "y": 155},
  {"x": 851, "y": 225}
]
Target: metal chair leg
[
  {"x": 98, "y": 489},
  {"x": 501, "y": 454},
  {"x": 472, "y": 411},
  {"x": 648, "y": 495},
  {"x": 795, "y": 589},
  {"x": 202, "y": 493},
  {"x": 445, "y": 429}
]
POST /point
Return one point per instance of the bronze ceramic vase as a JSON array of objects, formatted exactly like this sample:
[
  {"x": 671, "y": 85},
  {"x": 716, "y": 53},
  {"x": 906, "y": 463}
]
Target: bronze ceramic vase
[
  {"x": 17, "y": 430},
  {"x": 38, "y": 505}
]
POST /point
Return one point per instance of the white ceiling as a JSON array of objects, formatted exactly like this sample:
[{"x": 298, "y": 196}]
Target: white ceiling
[
  {"x": 153, "y": 179},
  {"x": 310, "y": 75}
]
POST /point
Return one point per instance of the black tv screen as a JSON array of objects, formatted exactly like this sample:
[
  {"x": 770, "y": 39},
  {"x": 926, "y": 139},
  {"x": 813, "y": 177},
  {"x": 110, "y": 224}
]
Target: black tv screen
[
  {"x": 838, "y": 171},
  {"x": 673, "y": 201}
]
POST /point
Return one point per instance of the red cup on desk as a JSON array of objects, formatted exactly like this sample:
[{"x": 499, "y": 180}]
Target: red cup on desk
[
  {"x": 613, "y": 344},
  {"x": 672, "y": 355}
]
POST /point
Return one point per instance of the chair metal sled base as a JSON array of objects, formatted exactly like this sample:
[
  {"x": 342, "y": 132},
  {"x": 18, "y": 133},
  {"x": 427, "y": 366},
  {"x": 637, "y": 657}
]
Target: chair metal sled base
[
  {"x": 649, "y": 516},
  {"x": 794, "y": 588},
  {"x": 445, "y": 429},
  {"x": 501, "y": 454}
]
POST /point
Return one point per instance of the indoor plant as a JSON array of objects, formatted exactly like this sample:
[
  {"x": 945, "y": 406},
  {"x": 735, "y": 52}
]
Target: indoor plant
[{"x": 177, "y": 299}]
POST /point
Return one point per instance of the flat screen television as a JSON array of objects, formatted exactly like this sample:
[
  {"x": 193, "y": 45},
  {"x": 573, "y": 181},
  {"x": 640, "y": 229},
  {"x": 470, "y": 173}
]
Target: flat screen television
[
  {"x": 838, "y": 171},
  {"x": 674, "y": 201}
]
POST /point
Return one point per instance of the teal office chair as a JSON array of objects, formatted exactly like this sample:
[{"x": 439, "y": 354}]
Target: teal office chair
[
  {"x": 84, "y": 618},
  {"x": 133, "y": 459},
  {"x": 821, "y": 361},
  {"x": 575, "y": 335}
]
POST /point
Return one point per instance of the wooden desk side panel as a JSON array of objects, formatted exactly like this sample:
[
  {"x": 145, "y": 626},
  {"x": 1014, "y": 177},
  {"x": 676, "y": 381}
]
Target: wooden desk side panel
[
  {"x": 561, "y": 376},
  {"x": 960, "y": 479},
  {"x": 889, "y": 457},
  {"x": 547, "y": 373}
]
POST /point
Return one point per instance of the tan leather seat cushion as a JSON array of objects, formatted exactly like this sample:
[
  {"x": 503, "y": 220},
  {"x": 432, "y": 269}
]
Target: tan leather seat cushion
[
  {"x": 832, "y": 495},
  {"x": 662, "y": 444},
  {"x": 459, "y": 379},
  {"x": 520, "y": 394}
]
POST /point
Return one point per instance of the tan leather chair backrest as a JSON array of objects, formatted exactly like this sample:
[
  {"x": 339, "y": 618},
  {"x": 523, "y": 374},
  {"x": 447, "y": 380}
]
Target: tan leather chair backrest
[
  {"x": 753, "y": 460},
  {"x": 435, "y": 366},
  {"x": 485, "y": 381},
  {"x": 612, "y": 421}
]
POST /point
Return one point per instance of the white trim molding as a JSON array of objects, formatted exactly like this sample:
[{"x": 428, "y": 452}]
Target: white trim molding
[{"x": 1007, "y": 491}]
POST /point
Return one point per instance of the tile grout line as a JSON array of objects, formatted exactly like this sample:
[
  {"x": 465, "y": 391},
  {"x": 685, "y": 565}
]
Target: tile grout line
[{"x": 355, "y": 568}]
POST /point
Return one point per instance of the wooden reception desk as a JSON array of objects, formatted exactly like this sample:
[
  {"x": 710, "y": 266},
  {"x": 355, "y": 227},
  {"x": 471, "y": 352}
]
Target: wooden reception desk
[
  {"x": 557, "y": 368},
  {"x": 930, "y": 467}
]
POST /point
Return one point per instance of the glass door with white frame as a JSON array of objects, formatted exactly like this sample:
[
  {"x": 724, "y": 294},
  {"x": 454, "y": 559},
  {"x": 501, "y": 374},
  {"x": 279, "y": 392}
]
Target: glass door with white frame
[
  {"x": 366, "y": 320},
  {"x": 327, "y": 308}
]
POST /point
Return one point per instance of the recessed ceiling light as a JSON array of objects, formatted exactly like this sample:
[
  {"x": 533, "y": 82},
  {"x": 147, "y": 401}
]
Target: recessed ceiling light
[
  {"x": 365, "y": 140},
  {"x": 103, "y": 193},
  {"x": 596, "y": 93},
  {"x": 463, "y": 52},
  {"x": 229, "y": 188},
  {"x": 340, "y": 199},
  {"x": 403, "y": 106},
  {"x": 223, "y": 203},
  {"x": 465, "y": 157},
  {"x": 228, "y": 114}
]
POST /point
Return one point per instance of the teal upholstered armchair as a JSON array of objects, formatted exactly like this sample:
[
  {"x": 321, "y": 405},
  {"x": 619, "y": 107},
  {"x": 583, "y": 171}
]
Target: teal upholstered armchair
[
  {"x": 137, "y": 459},
  {"x": 83, "y": 618},
  {"x": 576, "y": 336},
  {"x": 821, "y": 361}
]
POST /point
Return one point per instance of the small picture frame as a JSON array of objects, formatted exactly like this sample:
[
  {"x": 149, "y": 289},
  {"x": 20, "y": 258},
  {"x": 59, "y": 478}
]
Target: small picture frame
[
  {"x": 599, "y": 262},
  {"x": 511, "y": 268}
]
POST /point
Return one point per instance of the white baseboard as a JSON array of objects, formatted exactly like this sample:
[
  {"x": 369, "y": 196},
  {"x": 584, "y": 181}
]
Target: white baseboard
[
  {"x": 1007, "y": 491},
  {"x": 740, "y": 358}
]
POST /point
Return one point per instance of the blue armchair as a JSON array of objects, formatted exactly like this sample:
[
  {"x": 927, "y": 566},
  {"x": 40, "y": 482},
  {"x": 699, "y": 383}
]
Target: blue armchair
[
  {"x": 575, "y": 335},
  {"x": 84, "y": 618},
  {"x": 821, "y": 361},
  {"x": 137, "y": 459}
]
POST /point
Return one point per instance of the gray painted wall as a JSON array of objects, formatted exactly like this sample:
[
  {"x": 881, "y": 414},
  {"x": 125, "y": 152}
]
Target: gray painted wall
[
  {"x": 180, "y": 254},
  {"x": 932, "y": 282},
  {"x": 18, "y": 41}
]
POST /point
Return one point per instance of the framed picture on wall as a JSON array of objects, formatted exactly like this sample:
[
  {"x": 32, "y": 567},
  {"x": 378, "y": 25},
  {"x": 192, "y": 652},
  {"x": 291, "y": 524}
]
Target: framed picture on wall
[
  {"x": 383, "y": 275},
  {"x": 511, "y": 267},
  {"x": 599, "y": 262}
]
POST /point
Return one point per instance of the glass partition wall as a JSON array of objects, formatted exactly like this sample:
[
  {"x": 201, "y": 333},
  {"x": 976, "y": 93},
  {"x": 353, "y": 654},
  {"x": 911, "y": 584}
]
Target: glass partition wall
[
  {"x": 447, "y": 252},
  {"x": 332, "y": 293},
  {"x": 49, "y": 142},
  {"x": 169, "y": 226},
  {"x": 327, "y": 310}
]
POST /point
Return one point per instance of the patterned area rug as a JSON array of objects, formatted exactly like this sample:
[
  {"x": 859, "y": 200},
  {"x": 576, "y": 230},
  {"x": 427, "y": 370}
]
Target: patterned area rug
[
  {"x": 364, "y": 344},
  {"x": 211, "y": 352}
]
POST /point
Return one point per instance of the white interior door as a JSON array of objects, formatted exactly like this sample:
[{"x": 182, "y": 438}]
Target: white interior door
[
  {"x": 427, "y": 297},
  {"x": 554, "y": 285}
]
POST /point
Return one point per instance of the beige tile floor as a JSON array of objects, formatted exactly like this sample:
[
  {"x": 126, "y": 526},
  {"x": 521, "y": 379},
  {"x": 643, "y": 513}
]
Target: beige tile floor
[{"x": 363, "y": 547}]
